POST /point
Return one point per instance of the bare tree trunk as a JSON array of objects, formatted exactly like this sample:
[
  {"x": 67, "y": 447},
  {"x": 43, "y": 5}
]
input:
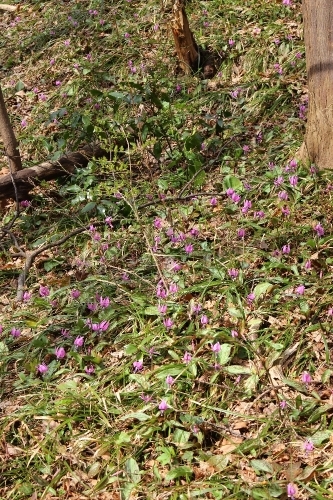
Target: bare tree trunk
[
  {"x": 318, "y": 36},
  {"x": 9, "y": 139},
  {"x": 186, "y": 48}
]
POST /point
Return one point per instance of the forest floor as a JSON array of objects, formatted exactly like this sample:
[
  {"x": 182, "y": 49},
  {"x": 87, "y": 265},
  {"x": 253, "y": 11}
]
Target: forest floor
[{"x": 177, "y": 344}]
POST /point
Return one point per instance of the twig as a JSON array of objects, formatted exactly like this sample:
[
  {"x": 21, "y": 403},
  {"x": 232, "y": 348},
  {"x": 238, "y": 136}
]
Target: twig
[
  {"x": 14, "y": 240},
  {"x": 30, "y": 257}
]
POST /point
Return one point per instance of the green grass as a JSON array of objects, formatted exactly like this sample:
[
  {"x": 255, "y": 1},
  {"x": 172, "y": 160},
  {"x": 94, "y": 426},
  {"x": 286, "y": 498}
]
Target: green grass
[{"x": 91, "y": 426}]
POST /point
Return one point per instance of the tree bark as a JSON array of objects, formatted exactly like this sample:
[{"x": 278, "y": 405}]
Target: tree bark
[
  {"x": 26, "y": 179},
  {"x": 318, "y": 36},
  {"x": 186, "y": 47},
  {"x": 9, "y": 139}
]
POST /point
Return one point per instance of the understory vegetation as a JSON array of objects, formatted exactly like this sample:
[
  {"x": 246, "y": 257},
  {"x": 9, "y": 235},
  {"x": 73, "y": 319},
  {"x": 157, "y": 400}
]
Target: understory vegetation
[{"x": 173, "y": 340}]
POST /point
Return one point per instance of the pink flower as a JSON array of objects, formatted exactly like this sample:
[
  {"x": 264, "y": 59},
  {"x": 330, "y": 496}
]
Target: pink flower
[
  {"x": 26, "y": 296},
  {"x": 291, "y": 488},
  {"x": 42, "y": 368},
  {"x": 163, "y": 406},
  {"x": 286, "y": 249},
  {"x": 300, "y": 290},
  {"x": 246, "y": 207},
  {"x": 75, "y": 294},
  {"x": 168, "y": 323},
  {"x": 234, "y": 333},
  {"x": 293, "y": 179},
  {"x": 308, "y": 446},
  {"x": 78, "y": 342},
  {"x": 24, "y": 123},
  {"x": 158, "y": 223},
  {"x": 187, "y": 357},
  {"x": 241, "y": 233},
  {"x": 213, "y": 201},
  {"x": 235, "y": 197},
  {"x": 216, "y": 347},
  {"x": 173, "y": 288},
  {"x": 189, "y": 249},
  {"x": 283, "y": 405},
  {"x": 283, "y": 195},
  {"x": 44, "y": 291},
  {"x": 92, "y": 306},
  {"x": 58, "y": 83},
  {"x": 319, "y": 229},
  {"x": 169, "y": 380},
  {"x": 162, "y": 308},
  {"x": 60, "y": 352},
  {"x": 138, "y": 365},
  {"x": 15, "y": 332},
  {"x": 231, "y": 42},
  {"x": 250, "y": 298},
  {"x": 67, "y": 42},
  {"x": 233, "y": 273},
  {"x": 89, "y": 369},
  {"x": 104, "y": 302},
  {"x": 204, "y": 320},
  {"x": 306, "y": 378}
]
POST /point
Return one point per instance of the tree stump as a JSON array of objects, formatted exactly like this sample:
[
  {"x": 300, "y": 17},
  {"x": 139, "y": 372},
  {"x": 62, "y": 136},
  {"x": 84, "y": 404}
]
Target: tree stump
[{"x": 186, "y": 47}]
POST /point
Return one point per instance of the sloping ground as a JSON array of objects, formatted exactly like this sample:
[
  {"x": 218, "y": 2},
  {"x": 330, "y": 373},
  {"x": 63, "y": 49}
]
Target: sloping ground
[{"x": 177, "y": 345}]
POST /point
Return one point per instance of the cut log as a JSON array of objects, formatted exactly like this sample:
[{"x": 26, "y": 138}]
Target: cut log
[
  {"x": 186, "y": 47},
  {"x": 27, "y": 178}
]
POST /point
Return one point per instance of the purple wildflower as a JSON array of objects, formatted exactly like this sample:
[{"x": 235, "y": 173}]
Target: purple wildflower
[{"x": 60, "y": 352}]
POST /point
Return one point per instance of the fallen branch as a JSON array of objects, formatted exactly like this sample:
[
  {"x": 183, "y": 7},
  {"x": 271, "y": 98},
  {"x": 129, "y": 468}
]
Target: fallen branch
[
  {"x": 26, "y": 179},
  {"x": 9, "y": 8}
]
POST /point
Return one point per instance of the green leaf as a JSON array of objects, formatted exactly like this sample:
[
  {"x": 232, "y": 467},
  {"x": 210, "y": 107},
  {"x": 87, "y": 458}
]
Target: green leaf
[
  {"x": 319, "y": 437},
  {"x": 236, "y": 313},
  {"x": 131, "y": 349},
  {"x": 232, "y": 182},
  {"x": 86, "y": 71},
  {"x": 116, "y": 95},
  {"x": 173, "y": 370},
  {"x": 51, "y": 264},
  {"x": 224, "y": 354},
  {"x": 262, "y": 466},
  {"x": 219, "y": 126},
  {"x": 122, "y": 438},
  {"x": 157, "y": 150},
  {"x": 151, "y": 311},
  {"x": 180, "y": 437},
  {"x": 4, "y": 351},
  {"x": 69, "y": 385},
  {"x": 219, "y": 462},
  {"x": 262, "y": 288},
  {"x": 181, "y": 471},
  {"x": 132, "y": 469},
  {"x": 86, "y": 119},
  {"x": 88, "y": 207},
  {"x": 139, "y": 415},
  {"x": 19, "y": 86},
  {"x": 238, "y": 370}
]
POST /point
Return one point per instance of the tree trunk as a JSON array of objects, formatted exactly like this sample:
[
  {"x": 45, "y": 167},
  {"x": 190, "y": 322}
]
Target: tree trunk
[
  {"x": 318, "y": 36},
  {"x": 9, "y": 139},
  {"x": 186, "y": 47}
]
